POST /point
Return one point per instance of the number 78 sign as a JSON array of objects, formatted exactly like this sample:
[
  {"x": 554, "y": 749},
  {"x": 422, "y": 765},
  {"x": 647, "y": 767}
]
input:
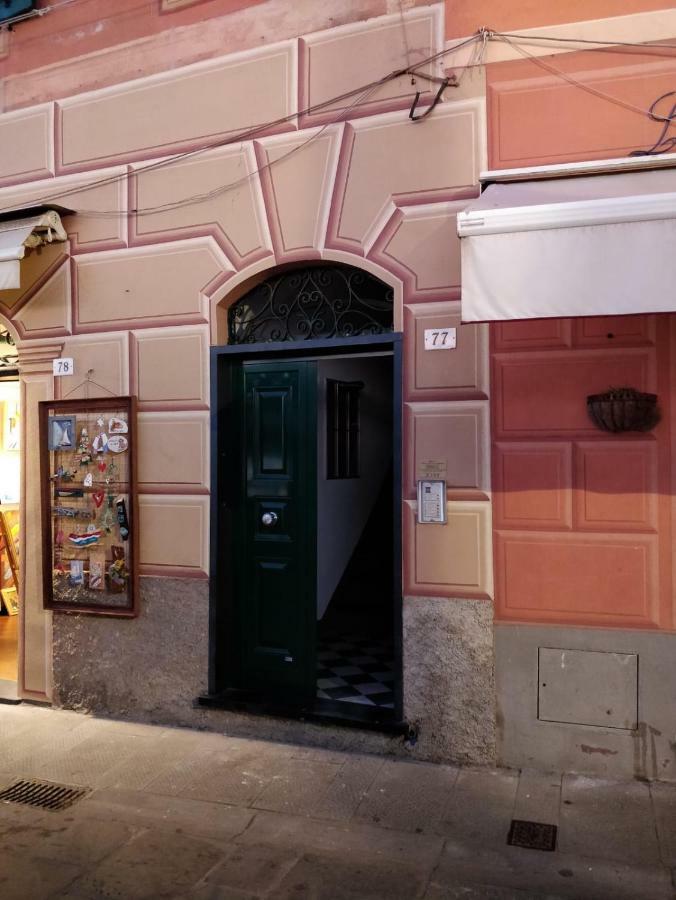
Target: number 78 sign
[
  {"x": 63, "y": 366},
  {"x": 440, "y": 338}
]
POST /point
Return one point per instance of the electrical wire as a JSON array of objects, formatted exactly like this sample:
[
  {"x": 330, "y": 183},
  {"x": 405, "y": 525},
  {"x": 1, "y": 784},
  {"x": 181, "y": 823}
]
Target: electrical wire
[
  {"x": 531, "y": 38},
  {"x": 548, "y": 67},
  {"x": 361, "y": 95},
  {"x": 241, "y": 137}
]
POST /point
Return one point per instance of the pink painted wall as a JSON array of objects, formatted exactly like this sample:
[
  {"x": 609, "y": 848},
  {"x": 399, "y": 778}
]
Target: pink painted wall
[
  {"x": 582, "y": 518},
  {"x": 464, "y": 17},
  {"x": 90, "y": 26}
]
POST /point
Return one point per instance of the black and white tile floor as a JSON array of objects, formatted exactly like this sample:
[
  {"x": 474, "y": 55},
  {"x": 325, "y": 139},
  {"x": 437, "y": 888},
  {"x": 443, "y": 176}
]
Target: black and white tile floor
[{"x": 356, "y": 670}]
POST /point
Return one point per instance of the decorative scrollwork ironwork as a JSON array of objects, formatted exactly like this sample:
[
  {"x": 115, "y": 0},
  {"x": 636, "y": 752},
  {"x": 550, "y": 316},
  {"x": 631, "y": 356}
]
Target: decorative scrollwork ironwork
[{"x": 315, "y": 302}]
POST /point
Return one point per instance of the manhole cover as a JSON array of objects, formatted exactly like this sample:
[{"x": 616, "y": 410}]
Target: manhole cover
[
  {"x": 532, "y": 835},
  {"x": 42, "y": 794}
]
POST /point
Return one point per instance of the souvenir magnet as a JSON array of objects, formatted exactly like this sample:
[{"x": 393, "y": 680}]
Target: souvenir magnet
[
  {"x": 122, "y": 519},
  {"x": 118, "y": 443},
  {"x": 100, "y": 442},
  {"x": 84, "y": 450},
  {"x": 97, "y": 565},
  {"x": 76, "y": 577},
  {"x": 117, "y": 426},
  {"x": 84, "y": 540}
]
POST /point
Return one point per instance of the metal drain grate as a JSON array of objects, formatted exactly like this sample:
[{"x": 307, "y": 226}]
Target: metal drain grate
[
  {"x": 532, "y": 835},
  {"x": 43, "y": 794}
]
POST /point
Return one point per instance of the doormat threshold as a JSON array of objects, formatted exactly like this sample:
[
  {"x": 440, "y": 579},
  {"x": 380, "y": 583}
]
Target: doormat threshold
[{"x": 323, "y": 712}]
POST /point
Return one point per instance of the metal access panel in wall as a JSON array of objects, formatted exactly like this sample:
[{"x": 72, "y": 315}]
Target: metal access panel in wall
[{"x": 588, "y": 687}]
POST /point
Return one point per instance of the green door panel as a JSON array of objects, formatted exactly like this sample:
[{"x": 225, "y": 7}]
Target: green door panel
[{"x": 275, "y": 581}]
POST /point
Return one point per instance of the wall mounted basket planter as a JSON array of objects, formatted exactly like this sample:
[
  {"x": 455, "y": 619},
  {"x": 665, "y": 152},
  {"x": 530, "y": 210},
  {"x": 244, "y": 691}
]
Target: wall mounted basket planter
[{"x": 623, "y": 409}]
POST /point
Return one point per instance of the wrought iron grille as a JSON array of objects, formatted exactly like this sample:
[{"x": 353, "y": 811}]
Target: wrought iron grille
[{"x": 315, "y": 302}]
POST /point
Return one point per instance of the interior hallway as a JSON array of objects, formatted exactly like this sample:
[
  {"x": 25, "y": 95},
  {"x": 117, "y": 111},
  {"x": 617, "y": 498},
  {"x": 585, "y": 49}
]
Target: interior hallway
[
  {"x": 8, "y": 648},
  {"x": 181, "y": 813}
]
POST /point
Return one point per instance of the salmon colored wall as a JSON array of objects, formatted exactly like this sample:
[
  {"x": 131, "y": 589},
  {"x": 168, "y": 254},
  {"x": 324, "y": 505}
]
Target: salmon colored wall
[
  {"x": 464, "y": 17},
  {"x": 582, "y": 517},
  {"x": 538, "y": 116}
]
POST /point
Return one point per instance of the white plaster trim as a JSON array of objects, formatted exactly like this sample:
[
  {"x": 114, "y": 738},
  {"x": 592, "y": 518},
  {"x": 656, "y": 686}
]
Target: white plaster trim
[
  {"x": 159, "y": 249},
  {"x": 657, "y": 25}
]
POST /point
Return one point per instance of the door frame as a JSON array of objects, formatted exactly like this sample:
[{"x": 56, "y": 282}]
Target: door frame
[{"x": 223, "y": 652}]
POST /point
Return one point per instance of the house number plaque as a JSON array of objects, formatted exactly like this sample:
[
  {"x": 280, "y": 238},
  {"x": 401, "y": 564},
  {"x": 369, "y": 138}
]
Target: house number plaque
[{"x": 440, "y": 338}]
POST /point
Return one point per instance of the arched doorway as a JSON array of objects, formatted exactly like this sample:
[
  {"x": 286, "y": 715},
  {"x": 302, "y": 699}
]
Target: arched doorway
[{"x": 306, "y": 593}]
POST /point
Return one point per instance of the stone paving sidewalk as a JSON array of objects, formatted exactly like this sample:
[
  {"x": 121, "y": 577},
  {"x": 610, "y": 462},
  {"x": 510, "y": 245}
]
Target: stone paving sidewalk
[{"x": 178, "y": 813}]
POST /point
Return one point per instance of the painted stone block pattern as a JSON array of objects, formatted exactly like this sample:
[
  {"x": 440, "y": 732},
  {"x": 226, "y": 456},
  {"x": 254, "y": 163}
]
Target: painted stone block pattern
[
  {"x": 174, "y": 535},
  {"x": 374, "y": 50},
  {"x": 231, "y": 208},
  {"x": 176, "y": 110},
  {"x": 581, "y": 516},
  {"x": 27, "y": 145},
  {"x": 451, "y": 560},
  {"x": 145, "y": 286}
]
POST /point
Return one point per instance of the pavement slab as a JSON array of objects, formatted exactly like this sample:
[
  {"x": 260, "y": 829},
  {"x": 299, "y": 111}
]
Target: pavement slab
[
  {"x": 562, "y": 874},
  {"x": 538, "y": 797},
  {"x": 353, "y": 839},
  {"x": 177, "y": 813},
  {"x": 253, "y": 868},
  {"x": 154, "y": 864},
  {"x": 481, "y": 807},
  {"x": 347, "y": 790},
  {"x": 318, "y": 876},
  {"x": 610, "y": 819},
  {"x": 213, "y": 821},
  {"x": 664, "y": 806},
  {"x": 24, "y": 877},
  {"x": 408, "y": 796}
]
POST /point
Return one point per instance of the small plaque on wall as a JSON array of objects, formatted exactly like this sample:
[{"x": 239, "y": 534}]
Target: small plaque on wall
[
  {"x": 89, "y": 505},
  {"x": 434, "y": 469},
  {"x": 441, "y": 338},
  {"x": 431, "y": 502}
]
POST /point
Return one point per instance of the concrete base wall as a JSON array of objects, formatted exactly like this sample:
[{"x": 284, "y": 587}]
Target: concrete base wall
[
  {"x": 449, "y": 687},
  {"x": 152, "y": 668},
  {"x": 599, "y": 674}
]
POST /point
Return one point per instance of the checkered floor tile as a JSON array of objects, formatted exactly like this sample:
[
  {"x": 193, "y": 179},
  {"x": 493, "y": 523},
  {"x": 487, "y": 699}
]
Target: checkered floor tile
[{"x": 356, "y": 670}]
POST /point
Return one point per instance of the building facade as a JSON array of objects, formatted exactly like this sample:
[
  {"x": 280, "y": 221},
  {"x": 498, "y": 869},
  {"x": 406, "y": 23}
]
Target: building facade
[{"x": 208, "y": 152}]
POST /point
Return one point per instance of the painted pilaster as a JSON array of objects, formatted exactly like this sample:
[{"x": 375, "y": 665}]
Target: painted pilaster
[{"x": 35, "y": 632}]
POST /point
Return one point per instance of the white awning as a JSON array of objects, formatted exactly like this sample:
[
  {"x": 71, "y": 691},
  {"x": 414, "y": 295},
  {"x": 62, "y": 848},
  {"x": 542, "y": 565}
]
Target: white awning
[
  {"x": 577, "y": 246},
  {"x": 22, "y": 233}
]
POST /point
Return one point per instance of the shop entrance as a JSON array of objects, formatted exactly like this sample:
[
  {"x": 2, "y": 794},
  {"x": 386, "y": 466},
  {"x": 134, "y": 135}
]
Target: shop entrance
[
  {"x": 10, "y": 479},
  {"x": 306, "y": 592}
]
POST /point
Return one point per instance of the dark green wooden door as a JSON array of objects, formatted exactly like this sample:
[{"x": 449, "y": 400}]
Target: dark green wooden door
[{"x": 276, "y": 523}]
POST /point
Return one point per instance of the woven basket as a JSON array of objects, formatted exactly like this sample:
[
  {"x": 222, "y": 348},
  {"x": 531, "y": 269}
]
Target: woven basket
[{"x": 623, "y": 409}]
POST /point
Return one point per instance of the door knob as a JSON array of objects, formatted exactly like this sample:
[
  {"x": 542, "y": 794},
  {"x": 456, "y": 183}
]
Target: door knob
[{"x": 269, "y": 519}]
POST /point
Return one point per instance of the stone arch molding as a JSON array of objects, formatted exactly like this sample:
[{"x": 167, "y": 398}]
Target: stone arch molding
[{"x": 379, "y": 194}]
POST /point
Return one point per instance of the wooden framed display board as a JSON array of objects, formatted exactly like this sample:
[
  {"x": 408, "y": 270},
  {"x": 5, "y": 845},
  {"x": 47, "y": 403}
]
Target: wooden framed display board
[{"x": 89, "y": 505}]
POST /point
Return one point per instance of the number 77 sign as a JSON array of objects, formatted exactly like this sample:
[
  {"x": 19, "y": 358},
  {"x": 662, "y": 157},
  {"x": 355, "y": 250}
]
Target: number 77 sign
[{"x": 440, "y": 338}]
